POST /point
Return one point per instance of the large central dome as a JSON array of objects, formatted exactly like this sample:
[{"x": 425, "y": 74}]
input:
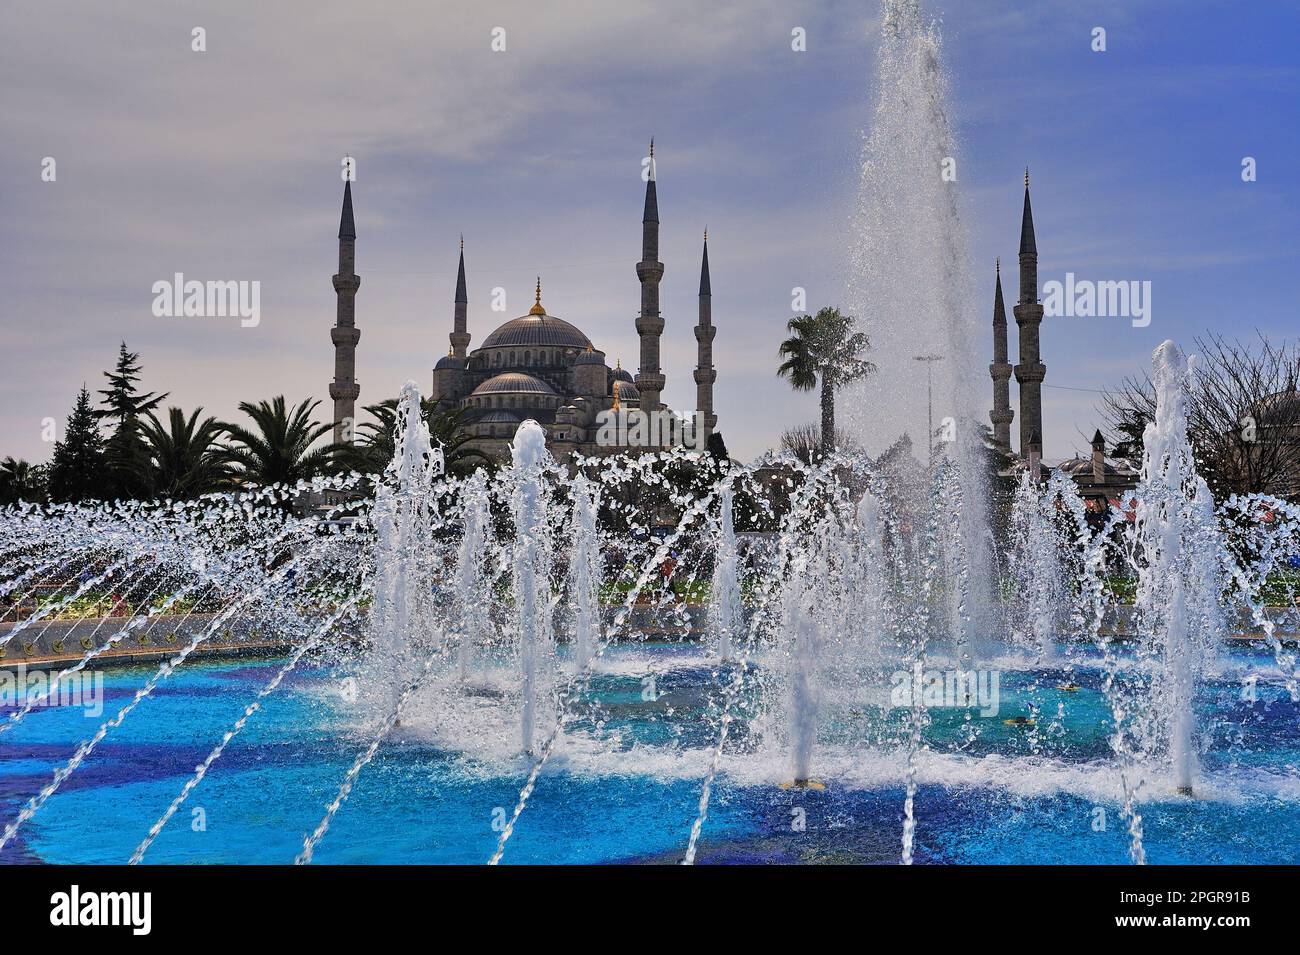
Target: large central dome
[{"x": 534, "y": 329}]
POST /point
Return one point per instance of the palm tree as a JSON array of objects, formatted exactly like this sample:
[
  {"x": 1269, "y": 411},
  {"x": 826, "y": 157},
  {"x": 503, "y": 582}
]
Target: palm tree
[
  {"x": 446, "y": 429},
  {"x": 184, "y": 458},
  {"x": 824, "y": 348},
  {"x": 20, "y": 481},
  {"x": 279, "y": 448}
]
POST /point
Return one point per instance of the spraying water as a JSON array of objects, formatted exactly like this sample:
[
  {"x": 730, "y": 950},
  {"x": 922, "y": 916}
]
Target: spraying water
[
  {"x": 585, "y": 572},
  {"x": 725, "y": 614},
  {"x": 532, "y": 587},
  {"x": 1180, "y": 578},
  {"x": 908, "y": 278},
  {"x": 403, "y": 519},
  {"x": 471, "y": 584}
]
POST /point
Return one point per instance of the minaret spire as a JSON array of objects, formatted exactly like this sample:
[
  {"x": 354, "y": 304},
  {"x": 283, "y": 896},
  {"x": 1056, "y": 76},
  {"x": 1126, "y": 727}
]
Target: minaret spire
[
  {"x": 1000, "y": 369},
  {"x": 1030, "y": 371},
  {"x": 460, "y": 321},
  {"x": 344, "y": 390},
  {"x": 1027, "y": 241},
  {"x": 650, "y": 324},
  {"x": 705, "y": 374}
]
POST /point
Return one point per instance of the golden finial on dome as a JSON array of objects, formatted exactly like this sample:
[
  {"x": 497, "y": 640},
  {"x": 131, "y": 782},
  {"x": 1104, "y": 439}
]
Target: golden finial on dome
[
  {"x": 616, "y": 384},
  {"x": 451, "y": 352},
  {"x": 537, "y": 308}
]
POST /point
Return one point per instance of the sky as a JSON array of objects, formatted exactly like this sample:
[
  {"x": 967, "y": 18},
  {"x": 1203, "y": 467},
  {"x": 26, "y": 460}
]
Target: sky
[{"x": 225, "y": 165}]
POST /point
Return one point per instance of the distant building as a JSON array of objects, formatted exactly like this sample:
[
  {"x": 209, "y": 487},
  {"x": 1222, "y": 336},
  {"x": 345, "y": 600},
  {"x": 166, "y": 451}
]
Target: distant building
[
  {"x": 1101, "y": 480},
  {"x": 538, "y": 365}
]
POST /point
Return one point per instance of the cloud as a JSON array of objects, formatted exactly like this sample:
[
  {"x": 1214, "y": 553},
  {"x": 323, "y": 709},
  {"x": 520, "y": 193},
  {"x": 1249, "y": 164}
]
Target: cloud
[{"x": 225, "y": 165}]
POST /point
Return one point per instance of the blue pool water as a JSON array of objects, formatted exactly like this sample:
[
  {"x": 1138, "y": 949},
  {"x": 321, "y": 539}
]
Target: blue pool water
[{"x": 995, "y": 794}]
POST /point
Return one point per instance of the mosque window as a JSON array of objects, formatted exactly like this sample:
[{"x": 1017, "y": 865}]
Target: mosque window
[{"x": 528, "y": 357}]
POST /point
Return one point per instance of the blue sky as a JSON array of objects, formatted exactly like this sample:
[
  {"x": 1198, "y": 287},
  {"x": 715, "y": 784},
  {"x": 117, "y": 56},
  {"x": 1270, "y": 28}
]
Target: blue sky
[{"x": 225, "y": 165}]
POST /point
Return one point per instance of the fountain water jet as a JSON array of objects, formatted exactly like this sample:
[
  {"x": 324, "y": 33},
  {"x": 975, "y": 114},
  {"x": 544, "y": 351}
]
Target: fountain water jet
[
  {"x": 532, "y": 587},
  {"x": 1180, "y": 578},
  {"x": 403, "y": 515},
  {"x": 472, "y": 590},
  {"x": 585, "y": 572},
  {"x": 725, "y": 614}
]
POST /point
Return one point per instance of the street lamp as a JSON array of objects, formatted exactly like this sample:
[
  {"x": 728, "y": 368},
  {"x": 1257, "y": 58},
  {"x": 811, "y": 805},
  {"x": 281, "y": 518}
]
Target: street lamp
[{"x": 929, "y": 398}]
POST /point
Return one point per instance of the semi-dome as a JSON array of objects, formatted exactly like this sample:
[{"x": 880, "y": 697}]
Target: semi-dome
[
  {"x": 627, "y": 390},
  {"x": 622, "y": 374},
  {"x": 538, "y": 330},
  {"x": 514, "y": 382},
  {"x": 449, "y": 361},
  {"x": 590, "y": 357}
]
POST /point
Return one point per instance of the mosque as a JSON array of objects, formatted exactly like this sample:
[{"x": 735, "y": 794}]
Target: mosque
[
  {"x": 538, "y": 365},
  {"x": 1102, "y": 481}
]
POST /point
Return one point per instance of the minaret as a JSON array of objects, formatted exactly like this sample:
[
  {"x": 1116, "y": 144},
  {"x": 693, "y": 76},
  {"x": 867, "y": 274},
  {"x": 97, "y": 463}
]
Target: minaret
[
  {"x": 705, "y": 374},
  {"x": 1098, "y": 458},
  {"x": 1000, "y": 370},
  {"x": 460, "y": 332},
  {"x": 650, "y": 324},
  {"x": 1029, "y": 316},
  {"x": 344, "y": 390}
]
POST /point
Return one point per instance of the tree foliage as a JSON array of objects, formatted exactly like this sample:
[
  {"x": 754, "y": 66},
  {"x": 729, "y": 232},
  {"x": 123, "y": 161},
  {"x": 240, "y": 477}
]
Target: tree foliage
[
  {"x": 824, "y": 350},
  {"x": 279, "y": 447},
  {"x": 1243, "y": 415},
  {"x": 79, "y": 471},
  {"x": 183, "y": 458},
  {"x": 124, "y": 406}
]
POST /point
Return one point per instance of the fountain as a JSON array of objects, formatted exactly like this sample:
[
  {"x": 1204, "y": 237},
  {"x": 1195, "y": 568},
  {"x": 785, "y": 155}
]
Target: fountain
[
  {"x": 634, "y": 658},
  {"x": 471, "y": 580},
  {"x": 725, "y": 612},
  {"x": 857, "y": 581},
  {"x": 1177, "y": 548},
  {"x": 404, "y": 618},
  {"x": 586, "y": 571},
  {"x": 532, "y": 558}
]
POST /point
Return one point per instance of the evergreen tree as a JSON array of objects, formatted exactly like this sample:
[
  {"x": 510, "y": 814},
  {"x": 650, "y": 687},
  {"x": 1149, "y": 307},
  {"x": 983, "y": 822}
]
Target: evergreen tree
[
  {"x": 125, "y": 452},
  {"x": 79, "y": 471}
]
